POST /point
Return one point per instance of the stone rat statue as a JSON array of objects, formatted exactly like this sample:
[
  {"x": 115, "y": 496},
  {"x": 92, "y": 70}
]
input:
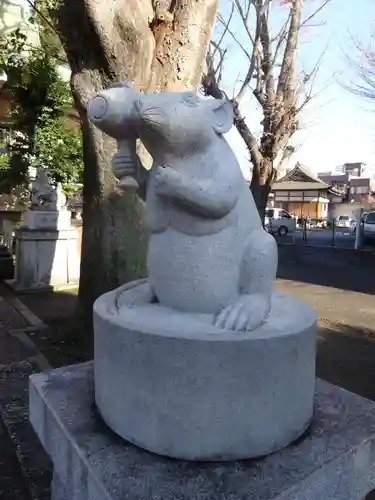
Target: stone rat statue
[{"x": 208, "y": 251}]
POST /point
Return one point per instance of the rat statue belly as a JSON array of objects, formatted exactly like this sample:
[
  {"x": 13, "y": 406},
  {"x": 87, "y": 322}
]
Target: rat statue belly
[
  {"x": 192, "y": 273},
  {"x": 208, "y": 252}
]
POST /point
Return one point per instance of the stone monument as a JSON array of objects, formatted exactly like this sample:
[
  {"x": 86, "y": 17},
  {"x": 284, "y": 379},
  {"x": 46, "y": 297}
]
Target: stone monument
[
  {"x": 203, "y": 360},
  {"x": 48, "y": 205},
  {"x": 46, "y": 246},
  {"x": 225, "y": 366}
]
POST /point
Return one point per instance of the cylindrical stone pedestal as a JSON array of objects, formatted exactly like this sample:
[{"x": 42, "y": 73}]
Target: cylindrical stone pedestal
[{"x": 173, "y": 384}]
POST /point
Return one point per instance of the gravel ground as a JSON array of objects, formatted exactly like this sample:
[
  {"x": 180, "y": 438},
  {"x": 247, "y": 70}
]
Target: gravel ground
[{"x": 339, "y": 284}]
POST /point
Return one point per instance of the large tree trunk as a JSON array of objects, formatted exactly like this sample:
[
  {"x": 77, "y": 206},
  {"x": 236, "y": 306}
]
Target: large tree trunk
[
  {"x": 108, "y": 41},
  {"x": 260, "y": 192},
  {"x": 261, "y": 184}
]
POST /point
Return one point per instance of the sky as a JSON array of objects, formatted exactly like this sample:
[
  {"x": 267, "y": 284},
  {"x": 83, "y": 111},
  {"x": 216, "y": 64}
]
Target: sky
[{"x": 338, "y": 127}]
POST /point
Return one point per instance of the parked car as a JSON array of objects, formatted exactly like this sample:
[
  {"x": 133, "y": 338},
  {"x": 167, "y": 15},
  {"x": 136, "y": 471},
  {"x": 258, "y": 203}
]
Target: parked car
[
  {"x": 369, "y": 226},
  {"x": 345, "y": 221},
  {"x": 354, "y": 226},
  {"x": 279, "y": 221}
]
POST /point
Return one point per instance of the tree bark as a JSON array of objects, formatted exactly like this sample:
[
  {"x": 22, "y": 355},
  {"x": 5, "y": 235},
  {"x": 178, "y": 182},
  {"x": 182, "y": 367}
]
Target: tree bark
[
  {"x": 110, "y": 41},
  {"x": 261, "y": 183}
]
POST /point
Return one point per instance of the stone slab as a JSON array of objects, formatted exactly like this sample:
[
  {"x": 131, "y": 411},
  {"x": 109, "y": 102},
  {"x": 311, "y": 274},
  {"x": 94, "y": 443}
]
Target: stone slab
[
  {"x": 14, "y": 413},
  {"x": 18, "y": 287},
  {"x": 333, "y": 461},
  {"x": 25, "y": 233},
  {"x": 47, "y": 219}
]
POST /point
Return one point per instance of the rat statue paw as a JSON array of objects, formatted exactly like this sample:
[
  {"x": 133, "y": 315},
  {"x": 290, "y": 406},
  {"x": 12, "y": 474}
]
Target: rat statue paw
[
  {"x": 122, "y": 165},
  {"x": 246, "y": 314},
  {"x": 166, "y": 180}
]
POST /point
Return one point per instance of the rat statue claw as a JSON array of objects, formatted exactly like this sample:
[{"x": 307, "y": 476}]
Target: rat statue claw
[{"x": 247, "y": 313}]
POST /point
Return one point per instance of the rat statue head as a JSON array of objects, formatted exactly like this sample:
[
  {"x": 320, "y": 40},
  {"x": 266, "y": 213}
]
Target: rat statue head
[
  {"x": 178, "y": 122},
  {"x": 181, "y": 122}
]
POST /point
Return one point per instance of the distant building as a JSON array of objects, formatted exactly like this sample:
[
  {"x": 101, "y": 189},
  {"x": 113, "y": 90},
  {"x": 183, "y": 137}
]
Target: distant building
[
  {"x": 354, "y": 183},
  {"x": 362, "y": 190},
  {"x": 340, "y": 182},
  {"x": 302, "y": 192},
  {"x": 355, "y": 169}
]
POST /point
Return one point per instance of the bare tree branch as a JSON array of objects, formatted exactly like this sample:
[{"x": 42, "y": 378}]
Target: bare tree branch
[
  {"x": 305, "y": 22},
  {"x": 255, "y": 48},
  {"x": 271, "y": 74},
  {"x": 364, "y": 66},
  {"x": 231, "y": 33}
]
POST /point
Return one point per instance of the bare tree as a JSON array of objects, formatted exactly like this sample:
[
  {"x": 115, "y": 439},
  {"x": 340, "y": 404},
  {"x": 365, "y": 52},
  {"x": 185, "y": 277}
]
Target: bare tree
[
  {"x": 272, "y": 76},
  {"x": 158, "y": 45},
  {"x": 364, "y": 66}
]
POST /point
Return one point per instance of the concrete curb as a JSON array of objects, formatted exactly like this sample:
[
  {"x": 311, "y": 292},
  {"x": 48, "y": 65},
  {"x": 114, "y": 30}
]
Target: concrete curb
[
  {"x": 27, "y": 314},
  {"x": 21, "y": 333},
  {"x": 38, "y": 358}
]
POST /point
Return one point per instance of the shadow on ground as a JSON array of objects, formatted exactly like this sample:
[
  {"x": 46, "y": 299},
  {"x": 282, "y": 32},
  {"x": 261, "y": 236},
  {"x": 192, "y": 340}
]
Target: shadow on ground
[
  {"x": 51, "y": 306},
  {"x": 332, "y": 267},
  {"x": 63, "y": 342},
  {"x": 346, "y": 357}
]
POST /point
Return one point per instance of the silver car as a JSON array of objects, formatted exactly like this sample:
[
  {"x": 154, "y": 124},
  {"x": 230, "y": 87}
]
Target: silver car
[
  {"x": 369, "y": 226},
  {"x": 344, "y": 221}
]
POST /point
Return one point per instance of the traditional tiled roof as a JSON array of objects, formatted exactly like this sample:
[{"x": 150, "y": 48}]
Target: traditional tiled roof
[{"x": 300, "y": 178}]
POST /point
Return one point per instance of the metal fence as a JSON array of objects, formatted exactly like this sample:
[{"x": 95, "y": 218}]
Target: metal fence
[{"x": 334, "y": 235}]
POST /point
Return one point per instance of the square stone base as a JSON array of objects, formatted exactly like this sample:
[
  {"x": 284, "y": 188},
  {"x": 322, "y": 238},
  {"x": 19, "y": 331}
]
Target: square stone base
[
  {"x": 45, "y": 260},
  {"x": 334, "y": 460},
  {"x": 19, "y": 287}
]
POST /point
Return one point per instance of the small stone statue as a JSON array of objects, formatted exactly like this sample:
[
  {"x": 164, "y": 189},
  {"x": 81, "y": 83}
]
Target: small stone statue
[
  {"x": 43, "y": 194},
  {"x": 208, "y": 252}
]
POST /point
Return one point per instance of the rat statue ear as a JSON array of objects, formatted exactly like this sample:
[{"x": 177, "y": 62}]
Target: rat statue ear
[{"x": 222, "y": 119}]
